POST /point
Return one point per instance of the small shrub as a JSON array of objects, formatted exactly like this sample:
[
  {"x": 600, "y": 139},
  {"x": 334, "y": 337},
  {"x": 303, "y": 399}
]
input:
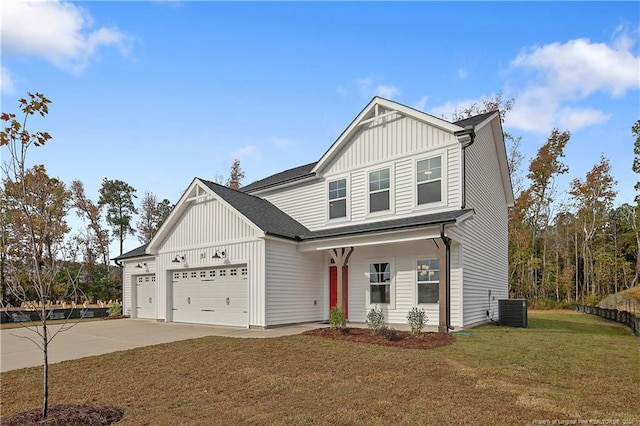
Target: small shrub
[
  {"x": 114, "y": 309},
  {"x": 417, "y": 319},
  {"x": 388, "y": 333},
  {"x": 336, "y": 318},
  {"x": 549, "y": 304},
  {"x": 591, "y": 300},
  {"x": 375, "y": 319}
]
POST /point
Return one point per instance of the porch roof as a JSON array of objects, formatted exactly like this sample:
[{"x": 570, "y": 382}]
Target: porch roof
[{"x": 388, "y": 225}]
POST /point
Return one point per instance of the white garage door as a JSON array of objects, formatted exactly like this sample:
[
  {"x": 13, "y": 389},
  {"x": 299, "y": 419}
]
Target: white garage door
[
  {"x": 217, "y": 296},
  {"x": 145, "y": 296}
]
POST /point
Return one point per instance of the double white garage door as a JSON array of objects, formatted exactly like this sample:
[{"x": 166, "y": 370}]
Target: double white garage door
[{"x": 217, "y": 296}]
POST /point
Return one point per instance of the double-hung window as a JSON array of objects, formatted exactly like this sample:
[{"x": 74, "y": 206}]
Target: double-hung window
[
  {"x": 338, "y": 198},
  {"x": 379, "y": 191},
  {"x": 429, "y": 180},
  {"x": 380, "y": 282},
  {"x": 428, "y": 279}
]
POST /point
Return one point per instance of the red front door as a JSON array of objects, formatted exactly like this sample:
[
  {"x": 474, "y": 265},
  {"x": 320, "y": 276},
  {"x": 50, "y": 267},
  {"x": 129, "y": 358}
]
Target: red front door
[{"x": 333, "y": 288}]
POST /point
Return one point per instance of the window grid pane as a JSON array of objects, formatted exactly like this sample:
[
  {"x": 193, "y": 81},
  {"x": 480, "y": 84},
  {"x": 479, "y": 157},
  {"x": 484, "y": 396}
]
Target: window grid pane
[
  {"x": 338, "y": 199},
  {"x": 338, "y": 189},
  {"x": 380, "y": 279},
  {"x": 428, "y": 277},
  {"x": 429, "y": 169}
]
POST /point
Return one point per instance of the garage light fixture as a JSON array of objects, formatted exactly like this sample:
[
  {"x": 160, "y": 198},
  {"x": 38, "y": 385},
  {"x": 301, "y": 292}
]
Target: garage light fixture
[
  {"x": 219, "y": 254},
  {"x": 178, "y": 259},
  {"x": 140, "y": 266}
]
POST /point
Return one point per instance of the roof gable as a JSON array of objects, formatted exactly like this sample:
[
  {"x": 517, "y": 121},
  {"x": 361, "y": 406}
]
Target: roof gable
[
  {"x": 270, "y": 219},
  {"x": 197, "y": 191},
  {"x": 377, "y": 109}
]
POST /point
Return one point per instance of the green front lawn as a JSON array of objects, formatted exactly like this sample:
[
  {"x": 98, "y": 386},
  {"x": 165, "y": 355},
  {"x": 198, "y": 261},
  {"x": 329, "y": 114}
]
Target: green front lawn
[{"x": 564, "y": 366}]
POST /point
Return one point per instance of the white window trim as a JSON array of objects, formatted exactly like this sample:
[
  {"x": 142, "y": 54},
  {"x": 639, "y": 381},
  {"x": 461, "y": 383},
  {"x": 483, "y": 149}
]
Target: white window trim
[
  {"x": 348, "y": 199},
  {"x": 442, "y": 153},
  {"x": 415, "y": 281},
  {"x": 392, "y": 204},
  {"x": 392, "y": 289}
]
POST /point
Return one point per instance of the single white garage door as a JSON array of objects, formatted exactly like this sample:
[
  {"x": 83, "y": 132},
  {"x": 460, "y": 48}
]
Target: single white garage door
[
  {"x": 218, "y": 296},
  {"x": 145, "y": 296}
]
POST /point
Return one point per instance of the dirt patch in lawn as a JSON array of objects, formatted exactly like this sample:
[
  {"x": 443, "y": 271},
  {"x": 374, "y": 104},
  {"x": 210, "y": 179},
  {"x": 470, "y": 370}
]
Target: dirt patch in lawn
[
  {"x": 388, "y": 337},
  {"x": 67, "y": 415}
]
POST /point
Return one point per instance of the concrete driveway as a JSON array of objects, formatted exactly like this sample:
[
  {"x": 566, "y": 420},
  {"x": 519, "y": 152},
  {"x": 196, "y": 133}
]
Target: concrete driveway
[{"x": 101, "y": 337}]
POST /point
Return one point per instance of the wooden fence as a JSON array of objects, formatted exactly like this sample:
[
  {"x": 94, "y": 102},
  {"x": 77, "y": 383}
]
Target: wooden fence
[{"x": 623, "y": 317}]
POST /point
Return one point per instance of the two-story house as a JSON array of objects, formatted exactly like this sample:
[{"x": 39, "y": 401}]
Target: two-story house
[{"x": 403, "y": 210}]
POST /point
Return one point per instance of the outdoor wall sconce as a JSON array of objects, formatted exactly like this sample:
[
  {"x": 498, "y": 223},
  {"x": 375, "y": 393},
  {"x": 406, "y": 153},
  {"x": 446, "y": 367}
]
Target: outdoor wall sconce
[
  {"x": 141, "y": 266},
  {"x": 219, "y": 254},
  {"x": 178, "y": 259}
]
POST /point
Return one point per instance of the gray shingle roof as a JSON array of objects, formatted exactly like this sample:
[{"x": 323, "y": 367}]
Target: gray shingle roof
[
  {"x": 275, "y": 222},
  {"x": 282, "y": 177},
  {"x": 387, "y": 225},
  {"x": 136, "y": 252},
  {"x": 473, "y": 121},
  {"x": 261, "y": 212}
]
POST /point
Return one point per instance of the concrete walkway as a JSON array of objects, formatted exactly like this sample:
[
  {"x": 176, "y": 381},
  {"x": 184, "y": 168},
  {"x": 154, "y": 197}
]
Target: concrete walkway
[{"x": 101, "y": 337}]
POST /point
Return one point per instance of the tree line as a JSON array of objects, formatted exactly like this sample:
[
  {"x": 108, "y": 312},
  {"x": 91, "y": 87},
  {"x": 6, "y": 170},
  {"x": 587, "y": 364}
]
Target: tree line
[
  {"x": 34, "y": 232},
  {"x": 567, "y": 245}
]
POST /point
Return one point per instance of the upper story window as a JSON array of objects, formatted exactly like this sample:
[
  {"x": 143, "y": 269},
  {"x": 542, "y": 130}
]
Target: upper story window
[
  {"x": 379, "y": 191},
  {"x": 338, "y": 198},
  {"x": 429, "y": 180}
]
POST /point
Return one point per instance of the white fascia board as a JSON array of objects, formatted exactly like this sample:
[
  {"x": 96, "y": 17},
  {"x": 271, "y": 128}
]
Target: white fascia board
[
  {"x": 138, "y": 258},
  {"x": 503, "y": 161},
  {"x": 170, "y": 221},
  {"x": 487, "y": 120},
  {"x": 391, "y": 105},
  {"x": 390, "y": 237}
]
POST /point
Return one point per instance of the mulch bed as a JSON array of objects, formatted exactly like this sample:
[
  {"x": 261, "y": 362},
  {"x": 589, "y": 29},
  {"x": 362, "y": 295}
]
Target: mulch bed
[
  {"x": 395, "y": 338},
  {"x": 67, "y": 415}
]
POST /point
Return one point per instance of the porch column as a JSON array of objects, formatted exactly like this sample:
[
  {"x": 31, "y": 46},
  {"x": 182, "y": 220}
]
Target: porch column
[
  {"x": 440, "y": 249},
  {"x": 340, "y": 258}
]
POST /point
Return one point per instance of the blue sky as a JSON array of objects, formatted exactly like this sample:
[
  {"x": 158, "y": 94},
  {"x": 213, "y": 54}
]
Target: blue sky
[{"x": 156, "y": 93}]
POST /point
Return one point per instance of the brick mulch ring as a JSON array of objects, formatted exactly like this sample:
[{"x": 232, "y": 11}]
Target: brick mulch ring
[
  {"x": 67, "y": 415},
  {"x": 395, "y": 338}
]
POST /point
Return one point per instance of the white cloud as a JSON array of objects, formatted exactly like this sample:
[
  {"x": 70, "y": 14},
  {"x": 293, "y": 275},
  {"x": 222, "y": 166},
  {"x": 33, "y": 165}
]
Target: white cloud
[
  {"x": 577, "y": 118},
  {"x": 342, "y": 91},
  {"x": 462, "y": 73},
  {"x": 420, "y": 103},
  {"x": 557, "y": 76},
  {"x": 388, "y": 92},
  {"x": 244, "y": 151},
  {"x": 447, "y": 109},
  {"x": 283, "y": 143},
  {"x": 369, "y": 87},
  {"x": 6, "y": 81},
  {"x": 57, "y": 31}
]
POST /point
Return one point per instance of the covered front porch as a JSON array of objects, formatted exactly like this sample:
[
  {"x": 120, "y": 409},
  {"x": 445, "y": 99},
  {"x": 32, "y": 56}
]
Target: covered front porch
[{"x": 394, "y": 271}]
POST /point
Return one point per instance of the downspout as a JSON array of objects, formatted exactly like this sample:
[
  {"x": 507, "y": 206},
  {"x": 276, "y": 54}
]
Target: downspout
[
  {"x": 447, "y": 274},
  {"x": 466, "y": 137}
]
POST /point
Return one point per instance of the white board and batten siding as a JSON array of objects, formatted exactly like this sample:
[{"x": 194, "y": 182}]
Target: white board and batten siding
[
  {"x": 130, "y": 277},
  {"x": 395, "y": 144},
  {"x": 485, "y": 247},
  {"x": 296, "y": 290},
  {"x": 208, "y": 225}
]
